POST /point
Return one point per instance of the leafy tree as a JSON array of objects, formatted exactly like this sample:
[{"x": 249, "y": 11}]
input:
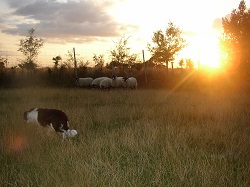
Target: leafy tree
[
  {"x": 3, "y": 63},
  {"x": 30, "y": 47},
  {"x": 99, "y": 61},
  {"x": 166, "y": 45},
  {"x": 2, "y": 67},
  {"x": 131, "y": 60},
  {"x": 189, "y": 64},
  {"x": 121, "y": 54},
  {"x": 83, "y": 66},
  {"x": 236, "y": 37},
  {"x": 70, "y": 60},
  {"x": 13, "y": 69},
  {"x": 56, "y": 60},
  {"x": 181, "y": 63}
]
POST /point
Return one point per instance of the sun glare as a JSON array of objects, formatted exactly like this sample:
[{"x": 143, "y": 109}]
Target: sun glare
[
  {"x": 203, "y": 47},
  {"x": 208, "y": 51},
  {"x": 204, "y": 51}
]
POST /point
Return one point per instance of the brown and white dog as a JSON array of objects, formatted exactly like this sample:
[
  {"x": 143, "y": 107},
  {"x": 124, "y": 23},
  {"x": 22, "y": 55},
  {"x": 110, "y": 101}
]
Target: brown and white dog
[{"x": 53, "y": 118}]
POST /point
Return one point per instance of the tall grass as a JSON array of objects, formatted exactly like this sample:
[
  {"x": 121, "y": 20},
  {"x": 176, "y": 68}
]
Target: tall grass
[{"x": 127, "y": 138}]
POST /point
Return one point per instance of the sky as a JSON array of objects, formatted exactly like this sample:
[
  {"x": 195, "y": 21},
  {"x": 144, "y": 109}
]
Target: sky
[{"x": 93, "y": 26}]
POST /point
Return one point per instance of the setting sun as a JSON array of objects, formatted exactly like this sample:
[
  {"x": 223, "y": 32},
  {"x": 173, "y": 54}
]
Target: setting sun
[
  {"x": 203, "y": 50},
  {"x": 208, "y": 51}
]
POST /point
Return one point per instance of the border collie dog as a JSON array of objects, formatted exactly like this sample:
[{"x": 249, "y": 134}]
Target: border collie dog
[{"x": 55, "y": 119}]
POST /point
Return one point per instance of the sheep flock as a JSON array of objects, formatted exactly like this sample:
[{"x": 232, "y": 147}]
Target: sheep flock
[{"x": 105, "y": 83}]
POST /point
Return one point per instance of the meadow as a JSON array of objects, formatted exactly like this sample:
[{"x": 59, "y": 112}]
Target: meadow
[{"x": 127, "y": 138}]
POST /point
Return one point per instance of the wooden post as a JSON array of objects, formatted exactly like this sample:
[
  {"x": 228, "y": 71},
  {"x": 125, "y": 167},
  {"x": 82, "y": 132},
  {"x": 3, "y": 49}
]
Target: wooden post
[
  {"x": 172, "y": 66},
  {"x": 112, "y": 67},
  {"x": 75, "y": 63},
  {"x": 145, "y": 67}
]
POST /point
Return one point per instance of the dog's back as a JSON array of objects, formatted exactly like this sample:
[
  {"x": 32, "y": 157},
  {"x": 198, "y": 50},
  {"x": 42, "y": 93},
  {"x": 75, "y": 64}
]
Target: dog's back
[{"x": 57, "y": 118}]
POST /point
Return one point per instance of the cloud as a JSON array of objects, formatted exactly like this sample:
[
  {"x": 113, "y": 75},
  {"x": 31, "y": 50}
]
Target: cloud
[
  {"x": 53, "y": 19},
  {"x": 18, "y": 3},
  {"x": 217, "y": 24}
]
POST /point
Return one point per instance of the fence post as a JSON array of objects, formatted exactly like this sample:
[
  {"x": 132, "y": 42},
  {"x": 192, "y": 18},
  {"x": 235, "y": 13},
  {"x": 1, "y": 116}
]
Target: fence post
[
  {"x": 145, "y": 67},
  {"x": 75, "y": 63}
]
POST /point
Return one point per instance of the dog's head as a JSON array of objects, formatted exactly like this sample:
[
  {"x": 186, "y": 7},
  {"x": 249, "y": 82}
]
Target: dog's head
[
  {"x": 31, "y": 115},
  {"x": 71, "y": 133}
]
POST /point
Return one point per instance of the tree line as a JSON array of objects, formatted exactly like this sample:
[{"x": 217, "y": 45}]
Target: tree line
[{"x": 164, "y": 48}]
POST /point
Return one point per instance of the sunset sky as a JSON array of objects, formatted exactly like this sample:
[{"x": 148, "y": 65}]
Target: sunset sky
[{"x": 92, "y": 26}]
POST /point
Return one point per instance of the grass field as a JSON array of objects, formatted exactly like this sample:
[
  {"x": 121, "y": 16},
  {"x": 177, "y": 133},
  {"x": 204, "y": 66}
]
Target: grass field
[{"x": 127, "y": 138}]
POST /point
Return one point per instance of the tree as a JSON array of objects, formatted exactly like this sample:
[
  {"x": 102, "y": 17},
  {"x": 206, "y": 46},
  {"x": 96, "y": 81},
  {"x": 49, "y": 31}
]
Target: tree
[
  {"x": 235, "y": 39},
  {"x": 83, "y": 66},
  {"x": 30, "y": 47},
  {"x": 166, "y": 45},
  {"x": 189, "y": 63},
  {"x": 70, "y": 60},
  {"x": 2, "y": 67},
  {"x": 181, "y": 63},
  {"x": 121, "y": 54},
  {"x": 56, "y": 60},
  {"x": 3, "y": 63},
  {"x": 99, "y": 61}
]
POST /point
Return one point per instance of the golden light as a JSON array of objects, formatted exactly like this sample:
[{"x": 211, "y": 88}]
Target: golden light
[
  {"x": 15, "y": 143},
  {"x": 208, "y": 51}
]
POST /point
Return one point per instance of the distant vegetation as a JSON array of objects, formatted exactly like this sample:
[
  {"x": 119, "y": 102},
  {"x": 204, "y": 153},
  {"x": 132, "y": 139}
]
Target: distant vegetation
[{"x": 177, "y": 79}]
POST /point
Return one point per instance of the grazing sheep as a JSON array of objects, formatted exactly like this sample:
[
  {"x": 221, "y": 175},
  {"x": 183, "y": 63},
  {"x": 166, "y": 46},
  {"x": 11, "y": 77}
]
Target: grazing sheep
[
  {"x": 131, "y": 82},
  {"x": 106, "y": 83},
  {"x": 118, "y": 82},
  {"x": 55, "y": 119},
  {"x": 96, "y": 82},
  {"x": 84, "y": 82}
]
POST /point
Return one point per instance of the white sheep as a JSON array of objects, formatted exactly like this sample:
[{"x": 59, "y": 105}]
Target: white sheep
[
  {"x": 106, "y": 83},
  {"x": 96, "y": 82},
  {"x": 84, "y": 82},
  {"x": 118, "y": 82},
  {"x": 131, "y": 83}
]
